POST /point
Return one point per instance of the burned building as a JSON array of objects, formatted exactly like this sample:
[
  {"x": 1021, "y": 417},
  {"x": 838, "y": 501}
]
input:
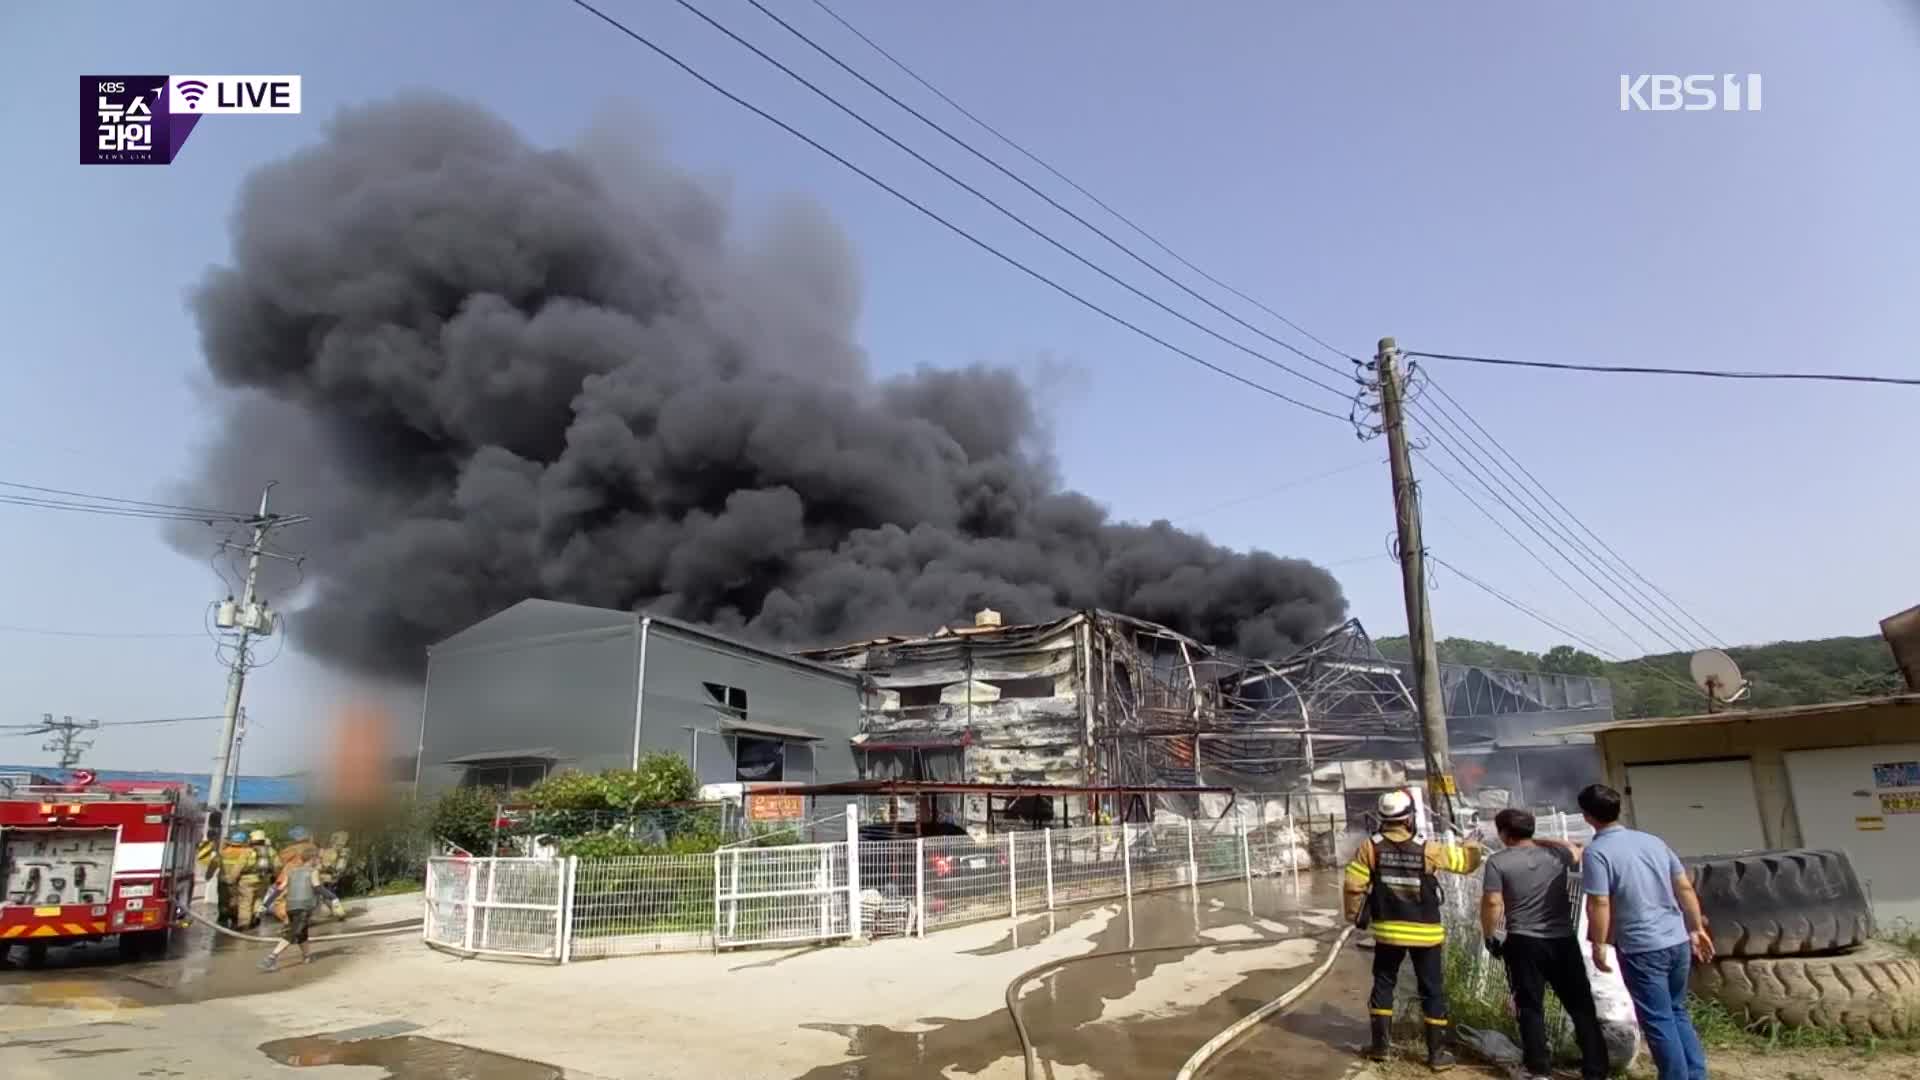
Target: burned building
[{"x": 1097, "y": 698}]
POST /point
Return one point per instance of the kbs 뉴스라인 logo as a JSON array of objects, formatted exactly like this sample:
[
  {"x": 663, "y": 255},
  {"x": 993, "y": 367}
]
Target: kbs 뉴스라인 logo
[{"x": 145, "y": 119}]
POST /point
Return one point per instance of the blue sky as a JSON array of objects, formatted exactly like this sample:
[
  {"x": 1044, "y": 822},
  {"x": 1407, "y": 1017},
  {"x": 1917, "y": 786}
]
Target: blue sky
[{"x": 1460, "y": 177}]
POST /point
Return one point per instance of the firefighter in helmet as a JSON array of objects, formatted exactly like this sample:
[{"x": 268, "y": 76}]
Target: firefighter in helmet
[
  {"x": 254, "y": 879},
  {"x": 235, "y": 856},
  {"x": 333, "y": 866},
  {"x": 1393, "y": 889}
]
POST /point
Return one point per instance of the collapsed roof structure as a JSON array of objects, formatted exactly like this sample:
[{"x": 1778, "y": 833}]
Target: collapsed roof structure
[{"x": 1101, "y": 698}]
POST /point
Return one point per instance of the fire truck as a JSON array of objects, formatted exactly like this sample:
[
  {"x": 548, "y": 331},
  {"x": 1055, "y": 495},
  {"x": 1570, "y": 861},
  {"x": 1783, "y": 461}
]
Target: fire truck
[{"x": 87, "y": 860}]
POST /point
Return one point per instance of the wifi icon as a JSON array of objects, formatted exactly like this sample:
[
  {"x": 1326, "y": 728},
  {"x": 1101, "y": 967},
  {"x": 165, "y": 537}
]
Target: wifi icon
[{"x": 192, "y": 89}]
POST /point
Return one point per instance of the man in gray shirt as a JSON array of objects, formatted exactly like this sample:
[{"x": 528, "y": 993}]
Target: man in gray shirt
[{"x": 1526, "y": 887}]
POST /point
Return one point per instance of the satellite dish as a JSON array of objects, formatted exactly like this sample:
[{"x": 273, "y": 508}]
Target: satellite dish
[{"x": 1717, "y": 674}]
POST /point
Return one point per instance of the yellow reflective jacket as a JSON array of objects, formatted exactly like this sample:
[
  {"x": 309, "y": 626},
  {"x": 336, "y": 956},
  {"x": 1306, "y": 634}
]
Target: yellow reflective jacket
[
  {"x": 1408, "y": 929},
  {"x": 234, "y": 861}
]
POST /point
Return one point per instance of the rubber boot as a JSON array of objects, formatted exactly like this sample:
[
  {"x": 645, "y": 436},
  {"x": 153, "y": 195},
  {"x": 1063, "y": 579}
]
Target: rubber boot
[
  {"x": 1381, "y": 1048},
  {"x": 1439, "y": 1058}
]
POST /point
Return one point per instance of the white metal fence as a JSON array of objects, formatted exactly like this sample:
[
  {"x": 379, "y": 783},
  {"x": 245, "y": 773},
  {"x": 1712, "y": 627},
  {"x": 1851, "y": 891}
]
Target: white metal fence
[
  {"x": 571, "y": 908},
  {"x": 509, "y": 907}
]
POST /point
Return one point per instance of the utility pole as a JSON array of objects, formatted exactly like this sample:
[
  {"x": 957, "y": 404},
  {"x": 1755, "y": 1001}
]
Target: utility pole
[
  {"x": 66, "y": 741},
  {"x": 248, "y": 617},
  {"x": 233, "y": 780},
  {"x": 1413, "y": 579}
]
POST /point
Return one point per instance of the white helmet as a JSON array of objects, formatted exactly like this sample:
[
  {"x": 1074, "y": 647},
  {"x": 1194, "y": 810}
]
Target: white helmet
[{"x": 1395, "y": 805}]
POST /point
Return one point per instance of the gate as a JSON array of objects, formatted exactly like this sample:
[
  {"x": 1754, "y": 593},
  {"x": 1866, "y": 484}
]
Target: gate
[
  {"x": 766, "y": 896},
  {"x": 507, "y": 907}
]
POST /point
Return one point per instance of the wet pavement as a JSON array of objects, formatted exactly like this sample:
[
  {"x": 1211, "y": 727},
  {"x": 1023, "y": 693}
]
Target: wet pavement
[
  {"x": 1131, "y": 1016},
  {"x": 405, "y": 1057},
  {"x": 386, "y": 1007}
]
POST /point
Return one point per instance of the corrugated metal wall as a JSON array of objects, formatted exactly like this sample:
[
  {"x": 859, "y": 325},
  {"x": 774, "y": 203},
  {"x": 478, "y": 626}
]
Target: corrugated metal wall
[
  {"x": 678, "y": 705},
  {"x": 571, "y": 692}
]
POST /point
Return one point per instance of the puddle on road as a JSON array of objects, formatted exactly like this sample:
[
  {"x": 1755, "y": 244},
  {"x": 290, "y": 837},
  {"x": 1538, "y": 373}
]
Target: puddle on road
[
  {"x": 1064, "y": 1009},
  {"x": 407, "y": 1057}
]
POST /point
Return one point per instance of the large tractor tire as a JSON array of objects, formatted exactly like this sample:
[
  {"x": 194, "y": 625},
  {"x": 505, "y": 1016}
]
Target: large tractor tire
[
  {"x": 1782, "y": 903},
  {"x": 1872, "y": 990}
]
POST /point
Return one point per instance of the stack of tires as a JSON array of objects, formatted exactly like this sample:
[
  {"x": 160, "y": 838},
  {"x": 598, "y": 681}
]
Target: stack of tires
[{"x": 1793, "y": 943}]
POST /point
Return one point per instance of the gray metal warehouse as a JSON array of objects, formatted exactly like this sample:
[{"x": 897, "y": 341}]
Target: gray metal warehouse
[{"x": 544, "y": 686}]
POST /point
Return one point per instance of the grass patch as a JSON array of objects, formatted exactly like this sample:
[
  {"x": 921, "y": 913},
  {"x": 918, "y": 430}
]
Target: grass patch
[
  {"x": 399, "y": 887},
  {"x": 1902, "y": 935}
]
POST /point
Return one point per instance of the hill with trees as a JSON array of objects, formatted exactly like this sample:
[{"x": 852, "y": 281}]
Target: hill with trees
[{"x": 1782, "y": 673}]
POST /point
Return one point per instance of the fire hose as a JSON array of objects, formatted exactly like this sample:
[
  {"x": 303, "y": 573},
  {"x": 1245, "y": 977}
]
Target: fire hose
[
  {"x": 1030, "y": 1057},
  {"x": 237, "y": 935}
]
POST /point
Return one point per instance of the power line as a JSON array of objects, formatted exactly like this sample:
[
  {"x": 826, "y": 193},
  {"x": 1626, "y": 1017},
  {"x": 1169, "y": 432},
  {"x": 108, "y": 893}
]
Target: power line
[
  {"x": 990, "y": 201},
  {"x": 41, "y": 632},
  {"x": 1548, "y": 567},
  {"x": 1265, "y": 492},
  {"x": 1704, "y": 373},
  {"x": 664, "y": 54},
  {"x": 1070, "y": 182},
  {"x": 1543, "y": 517},
  {"x": 1022, "y": 181},
  {"x": 1575, "y": 518},
  {"x": 39, "y": 503},
  {"x": 1527, "y": 611},
  {"x": 163, "y": 720},
  {"x": 194, "y": 510},
  {"x": 1544, "y": 621}
]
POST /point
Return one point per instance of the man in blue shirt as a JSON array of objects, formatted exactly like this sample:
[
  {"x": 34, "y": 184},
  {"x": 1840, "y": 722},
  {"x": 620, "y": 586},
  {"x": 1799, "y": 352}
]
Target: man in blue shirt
[{"x": 1640, "y": 899}]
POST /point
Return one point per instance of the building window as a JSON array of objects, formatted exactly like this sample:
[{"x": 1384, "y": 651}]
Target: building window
[
  {"x": 1039, "y": 687},
  {"x": 757, "y": 759},
  {"x": 731, "y": 698},
  {"x": 920, "y": 697},
  {"x": 505, "y": 776}
]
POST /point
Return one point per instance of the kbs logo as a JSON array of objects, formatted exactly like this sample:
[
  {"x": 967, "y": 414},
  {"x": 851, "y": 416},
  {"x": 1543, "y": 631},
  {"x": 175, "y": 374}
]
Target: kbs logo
[
  {"x": 145, "y": 119},
  {"x": 1689, "y": 93}
]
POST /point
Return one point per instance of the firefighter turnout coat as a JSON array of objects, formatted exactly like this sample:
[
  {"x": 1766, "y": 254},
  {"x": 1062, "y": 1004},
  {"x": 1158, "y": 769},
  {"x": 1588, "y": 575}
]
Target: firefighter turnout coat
[{"x": 1394, "y": 875}]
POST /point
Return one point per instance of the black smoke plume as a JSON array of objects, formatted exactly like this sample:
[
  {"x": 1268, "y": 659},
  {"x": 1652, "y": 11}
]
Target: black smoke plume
[{"x": 490, "y": 371}]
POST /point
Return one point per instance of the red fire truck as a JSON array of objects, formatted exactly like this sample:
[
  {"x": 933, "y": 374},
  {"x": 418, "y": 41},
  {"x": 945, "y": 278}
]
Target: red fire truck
[{"x": 88, "y": 860}]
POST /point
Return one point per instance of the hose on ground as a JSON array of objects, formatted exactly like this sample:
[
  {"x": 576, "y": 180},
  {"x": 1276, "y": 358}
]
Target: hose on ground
[
  {"x": 237, "y": 935},
  {"x": 1030, "y": 1057},
  {"x": 1235, "y": 1030}
]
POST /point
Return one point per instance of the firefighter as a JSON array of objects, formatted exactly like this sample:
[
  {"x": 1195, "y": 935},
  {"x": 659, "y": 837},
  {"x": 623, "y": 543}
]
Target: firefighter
[
  {"x": 254, "y": 880},
  {"x": 1393, "y": 888},
  {"x": 333, "y": 866},
  {"x": 235, "y": 856}
]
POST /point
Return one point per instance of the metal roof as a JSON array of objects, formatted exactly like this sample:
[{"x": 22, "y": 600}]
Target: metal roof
[
  {"x": 1782, "y": 712},
  {"x": 248, "y": 790},
  {"x": 505, "y": 757},
  {"x": 534, "y": 619}
]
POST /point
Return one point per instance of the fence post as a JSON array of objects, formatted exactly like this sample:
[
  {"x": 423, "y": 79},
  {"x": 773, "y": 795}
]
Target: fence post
[
  {"x": 426, "y": 909},
  {"x": 1046, "y": 845},
  {"x": 733, "y": 894},
  {"x": 1126, "y": 859},
  {"x": 1013, "y": 880},
  {"x": 473, "y": 867},
  {"x": 920, "y": 883},
  {"x": 853, "y": 870},
  {"x": 1561, "y": 817},
  {"x": 1293, "y": 845},
  {"x": 1246, "y": 860},
  {"x": 569, "y": 870},
  {"x": 717, "y": 856},
  {"x": 1193, "y": 866}
]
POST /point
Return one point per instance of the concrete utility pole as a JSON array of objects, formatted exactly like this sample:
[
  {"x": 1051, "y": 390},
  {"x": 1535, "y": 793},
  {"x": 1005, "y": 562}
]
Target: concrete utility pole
[
  {"x": 1413, "y": 579},
  {"x": 249, "y": 617}
]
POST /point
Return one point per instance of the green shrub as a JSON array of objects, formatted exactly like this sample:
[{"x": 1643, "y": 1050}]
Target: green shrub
[
  {"x": 660, "y": 780},
  {"x": 465, "y": 816}
]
